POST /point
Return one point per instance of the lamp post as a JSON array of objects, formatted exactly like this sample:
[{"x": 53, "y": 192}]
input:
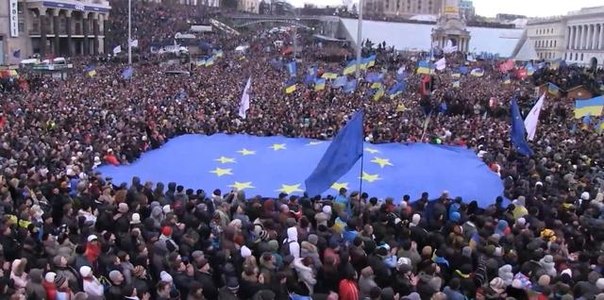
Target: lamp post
[
  {"x": 359, "y": 40},
  {"x": 129, "y": 32}
]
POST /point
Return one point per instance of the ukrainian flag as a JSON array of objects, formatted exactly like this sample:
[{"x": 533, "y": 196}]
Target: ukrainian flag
[
  {"x": 593, "y": 107},
  {"x": 350, "y": 68},
  {"x": 376, "y": 85},
  {"x": 456, "y": 75},
  {"x": 319, "y": 84},
  {"x": 90, "y": 71},
  {"x": 552, "y": 89},
  {"x": 219, "y": 54},
  {"x": 290, "y": 86},
  {"x": 329, "y": 75},
  {"x": 424, "y": 67},
  {"x": 378, "y": 94},
  {"x": 370, "y": 61}
]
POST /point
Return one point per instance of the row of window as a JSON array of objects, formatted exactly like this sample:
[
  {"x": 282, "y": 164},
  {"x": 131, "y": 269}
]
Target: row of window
[
  {"x": 544, "y": 31},
  {"x": 546, "y": 55},
  {"x": 546, "y": 44},
  {"x": 573, "y": 56}
]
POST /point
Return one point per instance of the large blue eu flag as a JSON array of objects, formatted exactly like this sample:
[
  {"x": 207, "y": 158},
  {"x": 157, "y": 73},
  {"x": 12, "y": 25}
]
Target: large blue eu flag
[
  {"x": 518, "y": 132},
  {"x": 341, "y": 155}
]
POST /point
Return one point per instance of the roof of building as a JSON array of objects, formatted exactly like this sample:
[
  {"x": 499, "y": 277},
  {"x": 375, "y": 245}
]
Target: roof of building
[{"x": 404, "y": 36}]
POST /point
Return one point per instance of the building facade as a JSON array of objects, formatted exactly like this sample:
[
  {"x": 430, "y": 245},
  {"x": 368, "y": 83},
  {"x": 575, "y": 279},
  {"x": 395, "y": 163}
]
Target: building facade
[
  {"x": 51, "y": 28},
  {"x": 249, "y": 6},
  {"x": 547, "y": 36},
  {"x": 585, "y": 36},
  {"x": 577, "y": 38},
  {"x": 401, "y": 8}
]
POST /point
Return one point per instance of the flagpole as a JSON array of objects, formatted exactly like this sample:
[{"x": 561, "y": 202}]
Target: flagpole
[
  {"x": 129, "y": 32},
  {"x": 359, "y": 40}
]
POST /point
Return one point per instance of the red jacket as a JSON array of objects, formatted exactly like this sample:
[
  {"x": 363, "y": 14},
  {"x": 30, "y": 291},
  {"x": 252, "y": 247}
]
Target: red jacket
[
  {"x": 112, "y": 160},
  {"x": 51, "y": 290},
  {"x": 348, "y": 290},
  {"x": 92, "y": 252}
]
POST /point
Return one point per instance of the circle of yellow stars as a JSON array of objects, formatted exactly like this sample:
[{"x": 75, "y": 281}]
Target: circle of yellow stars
[{"x": 297, "y": 187}]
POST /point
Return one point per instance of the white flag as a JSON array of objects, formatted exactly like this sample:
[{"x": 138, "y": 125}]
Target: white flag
[
  {"x": 117, "y": 50},
  {"x": 441, "y": 64},
  {"x": 244, "y": 104},
  {"x": 134, "y": 43},
  {"x": 532, "y": 119}
]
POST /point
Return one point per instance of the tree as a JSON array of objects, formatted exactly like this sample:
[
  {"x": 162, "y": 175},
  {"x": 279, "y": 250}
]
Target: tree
[{"x": 354, "y": 10}]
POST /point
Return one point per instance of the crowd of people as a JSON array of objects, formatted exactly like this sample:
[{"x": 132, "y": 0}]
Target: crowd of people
[{"x": 67, "y": 232}]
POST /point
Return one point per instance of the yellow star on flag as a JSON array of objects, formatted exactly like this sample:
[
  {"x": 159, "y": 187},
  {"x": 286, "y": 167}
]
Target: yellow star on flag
[
  {"x": 278, "y": 147},
  {"x": 372, "y": 150},
  {"x": 382, "y": 161},
  {"x": 242, "y": 185},
  {"x": 313, "y": 143},
  {"x": 225, "y": 160},
  {"x": 338, "y": 185},
  {"x": 289, "y": 189},
  {"x": 220, "y": 172},
  {"x": 370, "y": 177},
  {"x": 246, "y": 152}
]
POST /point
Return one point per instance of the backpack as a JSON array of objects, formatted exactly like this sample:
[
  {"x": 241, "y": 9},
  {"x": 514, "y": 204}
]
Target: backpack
[{"x": 285, "y": 247}]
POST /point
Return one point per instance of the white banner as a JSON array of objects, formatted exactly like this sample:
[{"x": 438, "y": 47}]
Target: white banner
[{"x": 13, "y": 15}]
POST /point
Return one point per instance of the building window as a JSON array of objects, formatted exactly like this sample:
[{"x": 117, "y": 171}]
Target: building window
[
  {"x": 565, "y": 56},
  {"x": 581, "y": 56},
  {"x": 555, "y": 44}
]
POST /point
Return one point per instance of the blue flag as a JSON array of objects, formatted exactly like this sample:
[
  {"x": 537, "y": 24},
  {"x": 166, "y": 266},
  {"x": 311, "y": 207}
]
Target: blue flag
[
  {"x": 518, "y": 132},
  {"x": 292, "y": 69},
  {"x": 350, "y": 86},
  {"x": 341, "y": 155},
  {"x": 374, "y": 77},
  {"x": 340, "y": 82},
  {"x": 127, "y": 73}
]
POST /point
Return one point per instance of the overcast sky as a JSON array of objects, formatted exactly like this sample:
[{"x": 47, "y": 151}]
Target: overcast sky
[{"x": 489, "y": 8}]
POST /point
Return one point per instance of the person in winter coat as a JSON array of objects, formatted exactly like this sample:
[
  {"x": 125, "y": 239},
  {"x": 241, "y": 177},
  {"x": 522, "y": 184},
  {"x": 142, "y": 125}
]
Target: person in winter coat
[
  {"x": 91, "y": 285},
  {"x": 18, "y": 275},
  {"x": 35, "y": 289},
  {"x": 305, "y": 272},
  {"x": 347, "y": 288},
  {"x": 366, "y": 282},
  {"x": 49, "y": 285},
  {"x": 292, "y": 242},
  {"x": 203, "y": 275},
  {"x": 63, "y": 290},
  {"x": 308, "y": 249}
]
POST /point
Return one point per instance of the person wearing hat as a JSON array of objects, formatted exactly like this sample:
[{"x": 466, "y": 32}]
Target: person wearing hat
[
  {"x": 230, "y": 291},
  {"x": 115, "y": 291},
  {"x": 140, "y": 281},
  {"x": 203, "y": 275},
  {"x": 62, "y": 285},
  {"x": 91, "y": 285},
  {"x": 93, "y": 249},
  {"x": 121, "y": 219}
]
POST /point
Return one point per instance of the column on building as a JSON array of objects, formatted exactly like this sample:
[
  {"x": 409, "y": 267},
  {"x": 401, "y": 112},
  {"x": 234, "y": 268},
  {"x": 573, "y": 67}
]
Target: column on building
[
  {"x": 68, "y": 27},
  {"x": 43, "y": 29},
  {"x": 57, "y": 31},
  {"x": 101, "y": 32},
  {"x": 596, "y": 37},
  {"x": 574, "y": 40},
  {"x": 578, "y": 39},
  {"x": 569, "y": 33},
  {"x": 85, "y": 25},
  {"x": 584, "y": 37},
  {"x": 601, "y": 36},
  {"x": 95, "y": 30},
  {"x": 592, "y": 34}
]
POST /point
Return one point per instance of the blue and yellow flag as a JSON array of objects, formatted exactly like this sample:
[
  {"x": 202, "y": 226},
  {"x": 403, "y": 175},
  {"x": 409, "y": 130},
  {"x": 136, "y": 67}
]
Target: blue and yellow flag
[
  {"x": 553, "y": 89},
  {"x": 319, "y": 84},
  {"x": 210, "y": 61},
  {"x": 219, "y": 54},
  {"x": 369, "y": 61},
  {"x": 378, "y": 94},
  {"x": 456, "y": 84},
  {"x": 396, "y": 89},
  {"x": 600, "y": 126},
  {"x": 425, "y": 67},
  {"x": 329, "y": 75},
  {"x": 350, "y": 86},
  {"x": 507, "y": 79},
  {"x": 292, "y": 69},
  {"x": 376, "y": 85},
  {"x": 478, "y": 72},
  {"x": 290, "y": 86},
  {"x": 341, "y": 155},
  {"x": 350, "y": 68},
  {"x": 90, "y": 71},
  {"x": 593, "y": 107}
]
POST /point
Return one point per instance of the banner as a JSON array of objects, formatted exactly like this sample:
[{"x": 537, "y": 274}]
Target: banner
[{"x": 13, "y": 15}]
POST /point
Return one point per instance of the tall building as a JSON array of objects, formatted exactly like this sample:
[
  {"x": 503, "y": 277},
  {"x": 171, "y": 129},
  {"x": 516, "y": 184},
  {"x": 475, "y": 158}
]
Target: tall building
[
  {"x": 466, "y": 9},
  {"x": 249, "y": 6},
  {"x": 577, "y": 37},
  {"x": 53, "y": 27},
  {"x": 401, "y": 8}
]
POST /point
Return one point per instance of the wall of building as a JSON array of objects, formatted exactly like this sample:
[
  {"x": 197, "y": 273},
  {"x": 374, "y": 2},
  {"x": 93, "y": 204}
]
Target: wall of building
[
  {"x": 401, "y": 8},
  {"x": 547, "y": 37},
  {"x": 249, "y": 6}
]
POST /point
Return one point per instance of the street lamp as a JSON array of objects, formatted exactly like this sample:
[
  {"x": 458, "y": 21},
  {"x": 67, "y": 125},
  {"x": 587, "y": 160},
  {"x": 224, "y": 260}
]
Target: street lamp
[{"x": 129, "y": 32}]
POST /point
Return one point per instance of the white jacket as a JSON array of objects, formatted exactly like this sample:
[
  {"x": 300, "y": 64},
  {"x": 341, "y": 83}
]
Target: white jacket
[
  {"x": 292, "y": 241},
  {"x": 305, "y": 274},
  {"x": 93, "y": 287}
]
